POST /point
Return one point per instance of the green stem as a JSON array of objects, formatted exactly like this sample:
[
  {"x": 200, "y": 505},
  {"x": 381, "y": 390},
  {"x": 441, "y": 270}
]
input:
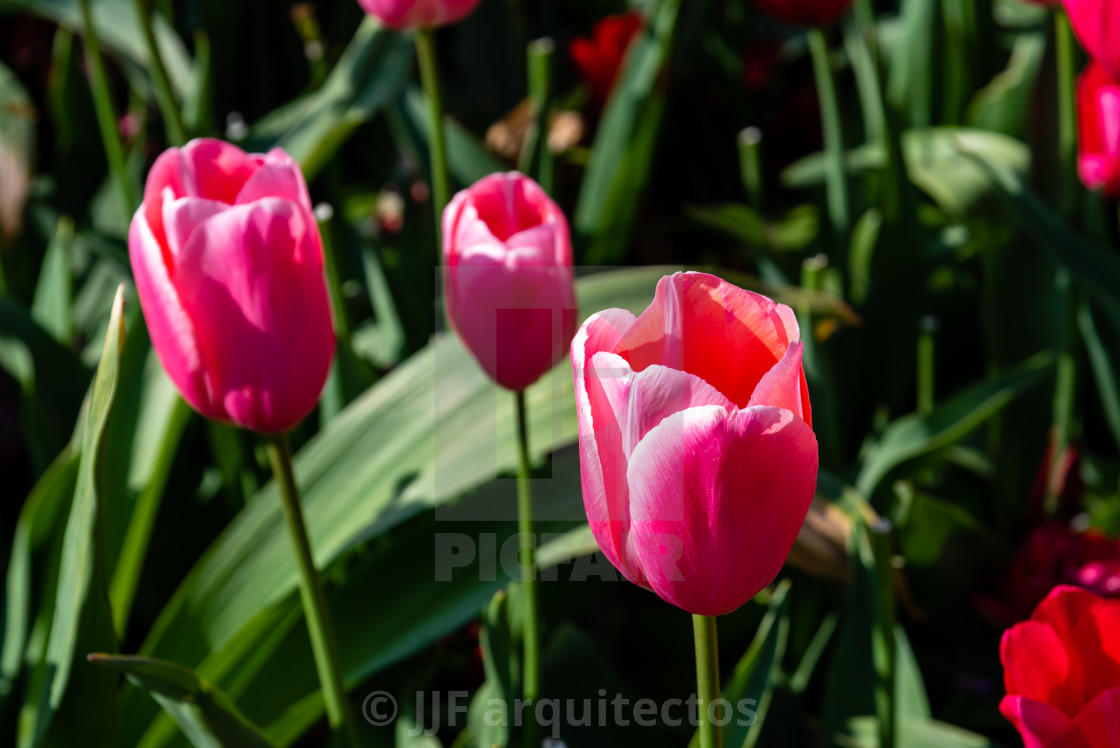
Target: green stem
[
  {"x": 535, "y": 148},
  {"x": 707, "y": 678},
  {"x": 130, "y": 565},
  {"x": 106, "y": 118},
  {"x": 927, "y": 327},
  {"x": 172, "y": 119},
  {"x": 750, "y": 165},
  {"x": 319, "y": 627},
  {"x": 429, "y": 74},
  {"x": 836, "y": 180},
  {"x": 1065, "y": 392},
  {"x": 883, "y": 645},
  {"x": 1067, "y": 114},
  {"x": 531, "y": 676}
]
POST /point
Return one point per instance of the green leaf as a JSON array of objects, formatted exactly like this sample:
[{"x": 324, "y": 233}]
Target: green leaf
[
  {"x": 80, "y": 704},
  {"x": 623, "y": 151},
  {"x": 431, "y": 430},
  {"x": 913, "y": 732},
  {"x": 752, "y": 681},
  {"x": 467, "y": 159},
  {"x": 935, "y": 164},
  {"x": 914, "y": 435},
  {"x": 39, "y": 526},
  {"x": 1001, "y": 106},
  {"x": 1098, "y": 326},
  {"x": 796, "y": 230},
  {"x": 208, "y": 718},
  {"x": 496, "y": 643},
  {"x": 52, "y": 306},
  {"x": 370, "y": 74}
]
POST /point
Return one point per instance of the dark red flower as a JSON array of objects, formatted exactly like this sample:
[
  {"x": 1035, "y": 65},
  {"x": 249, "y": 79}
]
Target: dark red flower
[
  {"x": 805, "y": 12},
  {"x": 1098, "y": 115},
  {"x": 1061, "y": 670},
  {"x": 599, "y": 58}
]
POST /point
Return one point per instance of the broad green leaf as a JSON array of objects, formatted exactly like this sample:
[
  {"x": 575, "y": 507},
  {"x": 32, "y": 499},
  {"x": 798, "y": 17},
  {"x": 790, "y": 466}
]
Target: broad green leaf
[
  {"x": 935, "y": 163},
  {"x": 914, "y": 435},
  {"x": 370, "y": 74},
  {"x": 497, "y": 656},
  {"x": 431, "y": 430},
  {"x": 80, "y": 705},
  {"x": 40, "y": 523},
  {"x": 754, "y": 676},
  {"x": 1094, "y": 266},
  {"x": 623, "y": 151},
  {"x": 913, "y": 732},
  {"x": 207, "y": 717},
  {"x": 1001, "y": 106},
  {"x": 119, "y": 29},
  {"x": 796, "y": 230},
  {"x": 52, "y": 306},
  {"x": 914, "y": 58}
]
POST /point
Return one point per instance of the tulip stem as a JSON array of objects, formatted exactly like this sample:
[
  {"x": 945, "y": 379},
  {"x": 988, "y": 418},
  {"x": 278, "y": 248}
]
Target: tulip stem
[
  {"x": 535, "y": 147},
  {"x": 1067, "y": 114},
  {"x": 836, "y": 181},
  {"x": 172, "y": 121},
  {"x": 530, "y": 680},
  {"x": 323, "y": 641},
  {"x": 429, "y": 75},
  {"x": 106, "y": 119},
  {"x": 707, "y": 680}
]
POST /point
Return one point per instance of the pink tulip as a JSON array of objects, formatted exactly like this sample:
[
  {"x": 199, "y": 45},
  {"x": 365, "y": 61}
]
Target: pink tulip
[
  {"x": 697, "y": 454},
  {"x": 1098, "y": 115},
  {"x": 1097, "y": 26},
  {"x": 408, "y": 14},
  {"x": 508, "y": 277},
  {"x": 229, "y": 269}
]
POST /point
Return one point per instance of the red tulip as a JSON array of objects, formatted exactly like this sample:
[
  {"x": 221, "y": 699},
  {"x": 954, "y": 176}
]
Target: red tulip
[
  {"x": 1061, "y": 670},
  {"x": 804, "y": 12},
  {"x": 599, "y": 58},
  {"x": 408, "y": 14},
  {"x": 697, "y": 456},
  {"x": 508, "y": 277},
  {"x": 1098, "y": 112},
  {"x": 1097, "y": 26},
  {"x": 229, "y": 270}
]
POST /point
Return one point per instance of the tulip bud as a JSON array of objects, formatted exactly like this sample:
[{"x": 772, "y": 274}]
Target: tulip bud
[
  {"x": 229, "y": 270},
  {"x": 1098, "y": 114},
  {"x": 508, "y": 277},
  {"x": 1097, "y": 26},
  {"x": 599, "y": 59},
  {"x": 804, "y": 12},
  {"x": 697, "y": 455},
  {"x": 410, "y": 14},
  {"x": 1061, "y": 670}
]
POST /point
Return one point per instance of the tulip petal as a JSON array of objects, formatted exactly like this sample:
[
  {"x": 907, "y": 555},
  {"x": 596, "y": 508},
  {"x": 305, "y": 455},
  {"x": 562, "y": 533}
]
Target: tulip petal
[
  {"x": 1096, "y": 638},
  {"x": 516, "y": 321},
  {"x": 217, "y": 169},
  {"x": 1038, "y": 665},
  {"x": 1064, "y": 606},
  {"x": 784, "y": 386},
  {"x": 170, "y": 328},
  {"x": 600, "y": 394},
  {"x": 730, "y": 337},
  {"x": 1039, "y": 724},
  {"x": 182, "y": 216},
  {"x": 716, "y": 501},
  {"x": 278, "y": 176},
  {"x": 656, "y": 393},
  {"x": 251, "y": 280},
  {"x": 1099, "y": 720}
]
